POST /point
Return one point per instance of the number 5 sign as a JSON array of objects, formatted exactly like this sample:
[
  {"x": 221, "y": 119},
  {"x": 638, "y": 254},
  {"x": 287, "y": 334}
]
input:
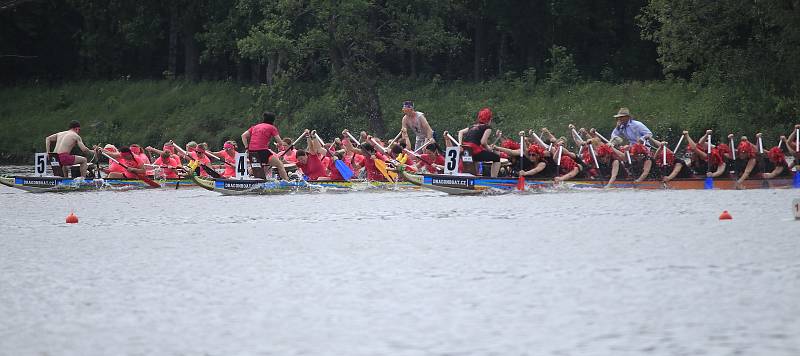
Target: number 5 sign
[
  {"x": 451, "y": 160},
  {"x": 40, "y": 164}
]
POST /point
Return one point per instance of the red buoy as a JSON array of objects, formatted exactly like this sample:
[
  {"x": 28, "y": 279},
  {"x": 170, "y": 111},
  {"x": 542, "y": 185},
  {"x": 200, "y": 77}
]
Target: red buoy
[
  {"x": 72, "y": 218},
  {"x": 725, "y": 216}
]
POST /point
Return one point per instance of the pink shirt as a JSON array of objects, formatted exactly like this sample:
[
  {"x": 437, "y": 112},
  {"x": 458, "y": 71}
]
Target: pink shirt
[
  {"x": 260, "y": 136},
  {"x": 229, "y": 171},
  {"x": 170, "y": 163}
]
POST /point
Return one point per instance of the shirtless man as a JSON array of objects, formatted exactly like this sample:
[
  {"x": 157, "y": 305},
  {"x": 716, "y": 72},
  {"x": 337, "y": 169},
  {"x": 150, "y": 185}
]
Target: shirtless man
[
  {"x": 416, "y": 122},
  {"x": 65, "y": 142}
]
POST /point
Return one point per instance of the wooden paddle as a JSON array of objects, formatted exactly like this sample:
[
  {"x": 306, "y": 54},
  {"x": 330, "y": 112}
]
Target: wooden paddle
[
  {"x": 143, "y": 177},
  {"x": 343, "y": 169}
]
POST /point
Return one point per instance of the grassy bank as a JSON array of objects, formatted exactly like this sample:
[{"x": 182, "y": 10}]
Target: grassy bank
[{"x": 151, "y": 112}]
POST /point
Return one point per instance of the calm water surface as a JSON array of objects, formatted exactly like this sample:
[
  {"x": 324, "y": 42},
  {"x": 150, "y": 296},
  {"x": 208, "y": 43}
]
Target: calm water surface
[{"x": 400, "y": 273}]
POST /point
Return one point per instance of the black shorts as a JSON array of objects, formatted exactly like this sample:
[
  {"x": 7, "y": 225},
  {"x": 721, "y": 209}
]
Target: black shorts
[
  {"x": 486, "y": 156},
  {"x": 260, "y": 156}
]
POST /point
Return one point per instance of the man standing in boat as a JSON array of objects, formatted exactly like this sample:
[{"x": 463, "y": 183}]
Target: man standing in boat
[
  {"x": 629, "y": 129},
  {"x": 257, "y": 139},
  {"x": 416, "y": 122},
  {"x": 65, "y": 142}
]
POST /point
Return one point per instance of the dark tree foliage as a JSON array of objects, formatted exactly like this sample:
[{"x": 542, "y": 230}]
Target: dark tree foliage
[
  {"x": 255, "y": 40},
  {"x": 352, "y": 44}
]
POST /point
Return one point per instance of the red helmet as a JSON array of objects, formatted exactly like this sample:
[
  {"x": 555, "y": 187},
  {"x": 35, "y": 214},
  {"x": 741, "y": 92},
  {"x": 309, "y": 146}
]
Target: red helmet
[
  {"x": 510, "y": 144},
  {"x": 776, "y": 156},
  {"x": 485, "y": 116},
  {"x": 746, "y": 148},
  {"x": 535, "y": 149}
]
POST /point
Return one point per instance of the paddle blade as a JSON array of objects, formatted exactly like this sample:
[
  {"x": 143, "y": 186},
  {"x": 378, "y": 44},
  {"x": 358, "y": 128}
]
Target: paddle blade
[
  {"x": 521, "y": 183},
  {"x": 343, "y": 169},
  {"x": 796, "y": 179},
  {"x": 149, "y": 181},
  {"x": 381, "y": 166},
  {"x": 211, "y": 172},
  {"x": 709, "y": 184}
]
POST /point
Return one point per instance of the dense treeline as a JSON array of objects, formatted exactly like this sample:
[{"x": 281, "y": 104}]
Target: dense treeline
[{"x": 350, "y": 49}]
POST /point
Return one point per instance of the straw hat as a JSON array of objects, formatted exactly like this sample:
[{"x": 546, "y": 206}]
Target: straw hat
[{"x": 623, "y": 112}]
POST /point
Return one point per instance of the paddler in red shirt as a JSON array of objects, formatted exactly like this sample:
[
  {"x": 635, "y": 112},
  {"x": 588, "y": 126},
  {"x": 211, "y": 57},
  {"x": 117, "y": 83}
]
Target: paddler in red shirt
[
  {"x": 168, "y": 165},
  {"x": 228, "y": 155},
  {"x": 257, "y": 139},
  {"x": 133, "y": 168},
  {"x": 138, "y": 152},
  {"x": 431, "y": 160},
  {"x": 310, "y": 161},
  {"x": 370, "y": 155}
]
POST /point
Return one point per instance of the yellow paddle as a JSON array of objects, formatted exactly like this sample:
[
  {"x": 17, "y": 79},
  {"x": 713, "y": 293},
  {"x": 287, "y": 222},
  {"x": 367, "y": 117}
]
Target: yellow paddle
[{"x": 381, "y": 166}]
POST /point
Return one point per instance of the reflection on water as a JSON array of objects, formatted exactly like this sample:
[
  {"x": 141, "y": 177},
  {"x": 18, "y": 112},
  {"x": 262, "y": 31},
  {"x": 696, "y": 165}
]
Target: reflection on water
[{"x": 560, "y": 273}]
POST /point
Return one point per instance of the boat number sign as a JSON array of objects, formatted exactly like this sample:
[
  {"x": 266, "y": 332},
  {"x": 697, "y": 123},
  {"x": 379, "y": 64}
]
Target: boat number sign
[
  {"x": 241, "y": 165},
  {"x": 40, "y": 164},
  {"x": 451, "y": 160}
]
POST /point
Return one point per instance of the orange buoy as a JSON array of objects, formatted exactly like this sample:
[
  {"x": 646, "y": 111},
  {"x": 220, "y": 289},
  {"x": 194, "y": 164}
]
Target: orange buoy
[
  {"x": 725, "y": 216},
  {"x": 72, "y": 218}
]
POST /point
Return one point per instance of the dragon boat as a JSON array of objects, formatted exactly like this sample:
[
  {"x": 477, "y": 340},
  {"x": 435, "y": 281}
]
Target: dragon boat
[
  {"x": 470, "y": 184},
  {"x": 272, "y": 187},
  {"x": 60, "y": 184}
]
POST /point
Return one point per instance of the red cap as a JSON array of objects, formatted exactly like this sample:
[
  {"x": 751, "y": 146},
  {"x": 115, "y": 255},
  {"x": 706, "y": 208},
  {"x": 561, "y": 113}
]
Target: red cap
[{"x": 485, "y": 116}]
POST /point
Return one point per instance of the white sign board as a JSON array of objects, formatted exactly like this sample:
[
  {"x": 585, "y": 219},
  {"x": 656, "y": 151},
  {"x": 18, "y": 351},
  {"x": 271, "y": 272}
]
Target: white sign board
[
  {"x": 40, "y": 164},
  {"x": 451, "y": 160},
  {"x": 241, "y": 166}
]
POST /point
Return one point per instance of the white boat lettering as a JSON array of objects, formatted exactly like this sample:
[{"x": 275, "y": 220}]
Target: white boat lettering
[
  {"x": 239, "y": 185},
  {"x": 39, "y": 182},
  {"x": 450, "y": 181}
]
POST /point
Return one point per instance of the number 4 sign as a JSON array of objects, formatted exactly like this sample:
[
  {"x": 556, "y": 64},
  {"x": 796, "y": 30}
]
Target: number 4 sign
[{"x": 241, "y": 166}]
